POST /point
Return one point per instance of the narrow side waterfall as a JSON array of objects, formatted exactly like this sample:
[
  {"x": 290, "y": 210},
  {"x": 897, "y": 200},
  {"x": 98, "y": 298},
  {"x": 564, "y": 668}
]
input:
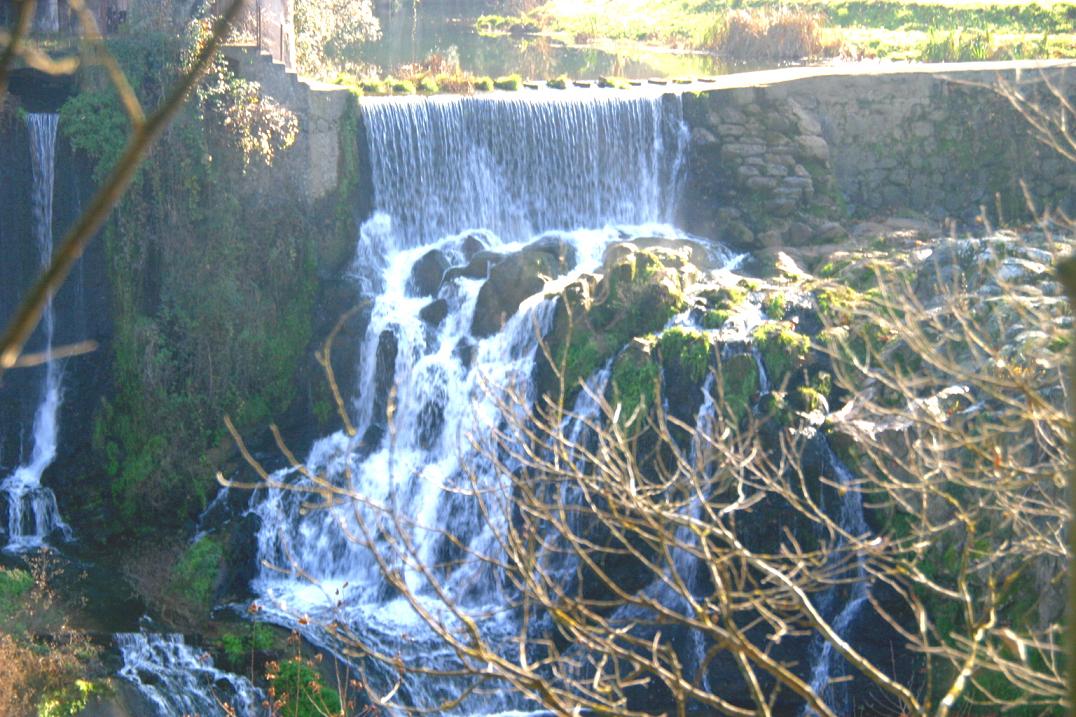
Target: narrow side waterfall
[
  {"x": 177, "y": 679},
  {"x": 827, "y": 663},
  {"x": 32, "y": 512},
  {"x": 460, "y": 176}
]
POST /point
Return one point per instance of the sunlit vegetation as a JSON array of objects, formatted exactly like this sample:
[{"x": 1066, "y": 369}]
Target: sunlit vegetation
[{"x": 852, "y": 28}]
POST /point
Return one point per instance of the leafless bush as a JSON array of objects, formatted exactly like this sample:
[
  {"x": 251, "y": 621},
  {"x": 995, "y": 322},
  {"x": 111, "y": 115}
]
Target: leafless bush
[{"x": 782, "y": 33}]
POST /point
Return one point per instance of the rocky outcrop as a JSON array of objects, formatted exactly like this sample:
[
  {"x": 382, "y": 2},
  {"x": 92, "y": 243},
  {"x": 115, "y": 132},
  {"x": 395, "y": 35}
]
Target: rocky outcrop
[
  {"x": 516, "y": 277},
  {"x": 637, "y": 292}
]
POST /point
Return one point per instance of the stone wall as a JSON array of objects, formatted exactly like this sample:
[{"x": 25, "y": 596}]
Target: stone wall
[
  {"x": 313, "y": 163},
  {"x": 777, "y": 157}
]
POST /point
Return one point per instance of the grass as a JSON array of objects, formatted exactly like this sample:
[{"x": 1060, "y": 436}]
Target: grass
[
  {"x": 782, "y": 33},
  {"x": 741, "y": 29}
]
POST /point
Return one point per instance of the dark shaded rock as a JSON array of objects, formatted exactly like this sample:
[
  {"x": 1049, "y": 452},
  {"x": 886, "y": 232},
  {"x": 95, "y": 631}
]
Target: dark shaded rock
[
  {"x": 515, "y": 278},
  {"x": 464, "y": 351},
  {"x": 240, "y": 560},
  {"x": 426, "y": 274},
  {"x": 434, "y": 312},
  {"x": 477, "y": 268},
  {"x": 385, "y": 375},
  {"x": 471, "y": 245}
]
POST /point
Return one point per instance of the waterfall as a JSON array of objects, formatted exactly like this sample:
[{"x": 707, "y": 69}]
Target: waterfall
[
  {"x": 32, "y": 512},
  {"x": 826, "y": 663},
  {"x": 180, "y": 680},
  {"x": 518, "y": 164},
  {"x": 586, "y": 170}
]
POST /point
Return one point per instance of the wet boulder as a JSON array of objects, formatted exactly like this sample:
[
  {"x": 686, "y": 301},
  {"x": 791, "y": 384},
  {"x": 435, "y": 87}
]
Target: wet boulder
[
  {"x": 515, "y": 278},
  {"x": 426, "y": 274},
  {"x": 477, "y": 267},
  {"x": 471, "y": 245},
  {"x": 385, "y": 377},
  {"x": 434, "y": 312},
  {"x": 240, "y": 560}
]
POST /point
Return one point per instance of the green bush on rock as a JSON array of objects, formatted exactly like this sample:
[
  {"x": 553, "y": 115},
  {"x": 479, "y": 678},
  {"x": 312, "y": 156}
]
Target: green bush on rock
[
  {"x": 685, "y": 351},
  {"x": 639, "y": 291},
  {"x": 195, "y": 576},
  {"x": 634, "y": 385},
  {"x": 782, "y": 349},
  {"x": 509, "y": 82}
]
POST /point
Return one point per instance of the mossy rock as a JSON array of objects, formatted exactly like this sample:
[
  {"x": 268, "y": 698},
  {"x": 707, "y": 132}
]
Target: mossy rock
[
  {"x": 637, "y": 293},
  {"x": 739, "y": 385},
  {"x": 685, "y": 352},
  {"x": 634, "y": 386},
  {"x": 782, "y": 349}
]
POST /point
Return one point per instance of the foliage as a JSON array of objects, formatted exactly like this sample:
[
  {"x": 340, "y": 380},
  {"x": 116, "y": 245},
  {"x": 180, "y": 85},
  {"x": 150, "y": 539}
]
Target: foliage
[
  {"x": 325, "y": 29},
  {"x": 14, "y": 585},
  {"x": 299, "y": 690},
  {"x": 44, "y": 661},
  {"x": 782, "y": 349},
  {"x": 195, "y": 576},
  {"x": 558, "y": 83},
  {"x": 782, "y": 33},
  {"x": 855, "y": 28},
  {"x": 509, "y": 82},
  {"x": 212, "y": 293},
  {"x": 238, "y": 644}
]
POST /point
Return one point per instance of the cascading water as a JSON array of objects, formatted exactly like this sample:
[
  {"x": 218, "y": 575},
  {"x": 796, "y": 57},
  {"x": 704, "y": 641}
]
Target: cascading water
[
  {"x": 586, "y": 169},
  {"x": 177, "y": 679},
  {"x": 827, "y": 663},
  {"x": 32, "y": 512}
]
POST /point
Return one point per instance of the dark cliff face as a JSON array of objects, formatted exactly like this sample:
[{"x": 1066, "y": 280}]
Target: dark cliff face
[{"x": 81, "y": 306}]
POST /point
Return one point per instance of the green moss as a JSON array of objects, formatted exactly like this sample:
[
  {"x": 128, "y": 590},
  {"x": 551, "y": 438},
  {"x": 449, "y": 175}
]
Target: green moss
[
  {"x": 782, "y": 349},
  {"x": 775, "y": 306},
  {"x": 774, "y": 406},
  {"x": 195, "y": 576},
  {"x": 725, "y": 297},
  {"x": 634, "y": 382},
  {"x": 512, "y": 83},
  {"x": 375, "y": 87},
  {"x": 809, "y": 399},
  {"x": 559, "y": 83},
  {"x": 739, "y": 384},
  {"x": 715, "y": 318},
  {"x": 687, "y": 351},
  {"x": 238, "y": 643}
]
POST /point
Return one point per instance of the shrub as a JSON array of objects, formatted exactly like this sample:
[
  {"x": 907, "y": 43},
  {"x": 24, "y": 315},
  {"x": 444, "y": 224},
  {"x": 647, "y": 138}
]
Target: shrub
[
  {"x": 509, "y": 82},
  {"x": 428, "y": 86},
  {"x": 374, "y": 87},
  {"x": 559, "y": 83},
  {"x": 195, "y": 575},
  {"x": 402, "y": 87},
  {"x": 767, "y": 34},
  {"x": 483, "y": 84},
  {"x": 300, "y": 691}
]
